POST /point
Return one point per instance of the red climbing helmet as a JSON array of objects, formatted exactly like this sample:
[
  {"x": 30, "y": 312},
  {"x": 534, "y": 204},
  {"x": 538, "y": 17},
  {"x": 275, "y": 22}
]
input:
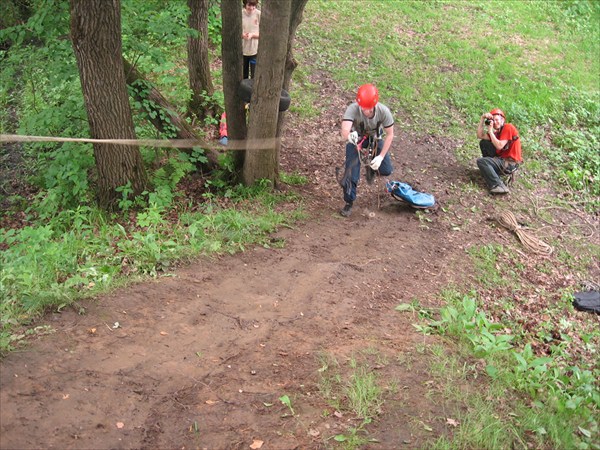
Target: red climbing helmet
[
  {"x": 498, "y": 111},
  {"x": 367, "y": 96}
]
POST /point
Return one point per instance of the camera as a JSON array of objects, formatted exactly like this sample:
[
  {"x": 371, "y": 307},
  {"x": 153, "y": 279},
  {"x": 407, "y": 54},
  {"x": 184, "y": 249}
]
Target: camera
[{"x": 488, "y": 121}]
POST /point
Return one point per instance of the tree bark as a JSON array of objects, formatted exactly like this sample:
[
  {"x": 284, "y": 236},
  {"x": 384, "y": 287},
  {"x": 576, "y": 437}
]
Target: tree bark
[
  {"x": 96, "y": 37},
  {"x": 261, "y": 162},
  {"x": 231, "y": 54},
  {"x": 290, "y": 65},
  {"x": 171, "y": 124},
  {"x": 201, "y": 103},
  {"x": 295, "y": 20}
]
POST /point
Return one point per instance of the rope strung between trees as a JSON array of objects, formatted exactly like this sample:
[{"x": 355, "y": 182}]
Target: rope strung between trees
[
  {"x": 254, "y": 144},
  {"x": 508, "y": 220}
]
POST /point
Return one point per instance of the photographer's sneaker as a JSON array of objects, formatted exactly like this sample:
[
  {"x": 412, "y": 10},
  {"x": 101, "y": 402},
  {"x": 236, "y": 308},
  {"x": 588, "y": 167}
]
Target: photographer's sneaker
[
  {"x": 500, "y": 189},
  {"x": 346, "y": 210}
]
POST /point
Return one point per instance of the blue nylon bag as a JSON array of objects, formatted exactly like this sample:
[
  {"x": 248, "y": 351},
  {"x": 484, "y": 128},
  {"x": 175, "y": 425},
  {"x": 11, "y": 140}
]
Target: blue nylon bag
[{"x": 405, "y": 192}]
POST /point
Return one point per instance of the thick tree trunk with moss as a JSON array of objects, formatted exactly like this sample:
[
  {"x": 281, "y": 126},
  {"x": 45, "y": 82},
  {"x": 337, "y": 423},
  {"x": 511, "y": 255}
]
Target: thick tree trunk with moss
[
  {"x": 201, "y": 103},
  {"x": 96, "y": 36},
  {"x": 231, "y": 53},
  {"x": 261, "y": 160}
]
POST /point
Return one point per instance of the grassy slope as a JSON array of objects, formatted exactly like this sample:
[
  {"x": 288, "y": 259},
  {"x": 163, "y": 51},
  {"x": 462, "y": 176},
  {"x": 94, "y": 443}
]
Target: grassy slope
[{"x": 439, "y": 65}]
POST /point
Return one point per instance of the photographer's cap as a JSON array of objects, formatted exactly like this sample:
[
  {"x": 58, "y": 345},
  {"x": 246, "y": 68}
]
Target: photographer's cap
[{"x": 498, "y": 111}]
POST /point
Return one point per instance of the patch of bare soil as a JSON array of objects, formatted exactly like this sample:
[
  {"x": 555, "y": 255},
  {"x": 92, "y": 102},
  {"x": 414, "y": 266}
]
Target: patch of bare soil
[{"x": 200, "y": 358}]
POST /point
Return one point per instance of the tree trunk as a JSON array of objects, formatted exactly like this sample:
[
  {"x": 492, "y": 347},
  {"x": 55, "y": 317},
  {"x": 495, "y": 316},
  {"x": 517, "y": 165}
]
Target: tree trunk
[
  {"x": 231, "y": 54},
  {"x": 96, "y": 37},
  {"x": 262, "y": 162},
  {"x": 171, "y": 124},
  {"x": 295, "y": 20},
  {"x": 201, "y": 103},
  {"x": 290, "y": 64}
]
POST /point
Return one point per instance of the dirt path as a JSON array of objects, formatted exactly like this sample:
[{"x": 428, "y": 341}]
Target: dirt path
[{"x": 201, "y": 358}]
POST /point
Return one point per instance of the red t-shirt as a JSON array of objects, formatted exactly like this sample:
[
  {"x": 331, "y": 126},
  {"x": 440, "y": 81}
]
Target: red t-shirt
[{"x": 512, "y": 149}]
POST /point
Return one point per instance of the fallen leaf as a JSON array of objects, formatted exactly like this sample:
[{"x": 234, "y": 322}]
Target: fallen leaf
[
  {"x": 257, "y": 444},
  {"x": 163, "y": 333},
  {"x": 92, "y": 331},
  {"x": 120, "y": 425},
  {"x": 211, "y": 402},
  {"x": 65, "y": 396},
  {"x": 452, "y": 422}
]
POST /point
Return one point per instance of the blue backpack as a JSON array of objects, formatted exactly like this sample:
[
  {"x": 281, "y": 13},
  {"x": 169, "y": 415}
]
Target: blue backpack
[{"x": 405, "y": 192}]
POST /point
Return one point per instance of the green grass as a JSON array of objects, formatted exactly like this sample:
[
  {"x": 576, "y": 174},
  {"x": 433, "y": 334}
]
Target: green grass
[
  {"x": 354, "y": 390},
  {"x": 513, "y": 398}
]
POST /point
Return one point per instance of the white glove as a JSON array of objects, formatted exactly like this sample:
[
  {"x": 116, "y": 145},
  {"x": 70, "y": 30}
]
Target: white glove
[
  {"x": 353, "y": 137},
  {"x": 376, "y": 162}
]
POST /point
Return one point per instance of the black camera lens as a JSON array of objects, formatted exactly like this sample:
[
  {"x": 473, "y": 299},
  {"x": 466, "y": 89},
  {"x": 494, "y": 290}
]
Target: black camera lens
[{"x": 488, "y": 121}]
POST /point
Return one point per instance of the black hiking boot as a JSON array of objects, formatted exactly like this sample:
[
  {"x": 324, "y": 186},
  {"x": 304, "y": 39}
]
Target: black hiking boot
[{"x": 346, "y": 210}]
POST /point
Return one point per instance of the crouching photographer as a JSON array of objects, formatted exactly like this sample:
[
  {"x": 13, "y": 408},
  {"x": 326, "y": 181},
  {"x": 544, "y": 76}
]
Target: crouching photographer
[{"x": 500, "y": 149}]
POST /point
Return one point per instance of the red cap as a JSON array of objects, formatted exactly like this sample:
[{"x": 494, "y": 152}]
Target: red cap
[{"x": 498, "y": 111}]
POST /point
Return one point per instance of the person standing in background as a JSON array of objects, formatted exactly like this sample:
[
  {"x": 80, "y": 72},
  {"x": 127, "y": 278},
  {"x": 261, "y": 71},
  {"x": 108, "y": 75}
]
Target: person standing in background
[{"x": 250, "y": 35}]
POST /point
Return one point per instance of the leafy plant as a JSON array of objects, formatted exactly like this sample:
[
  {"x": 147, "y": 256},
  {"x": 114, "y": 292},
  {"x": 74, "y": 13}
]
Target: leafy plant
[
  {"x": 560, "y": 391},
  {"x": 353, "y": 438},
  {"x": 287, "y": 402}
]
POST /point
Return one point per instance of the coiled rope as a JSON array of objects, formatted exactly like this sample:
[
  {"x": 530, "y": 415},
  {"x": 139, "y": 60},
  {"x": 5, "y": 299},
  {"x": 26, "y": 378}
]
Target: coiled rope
[{"x": 508, "y": 220}]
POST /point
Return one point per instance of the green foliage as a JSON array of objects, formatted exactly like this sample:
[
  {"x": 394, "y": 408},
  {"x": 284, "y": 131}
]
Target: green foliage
[
  {"x": 151, "y": 32},
  {"x": 146, "y": 109},
  {"x": 214, "y": 23},
  {"x": 568, "y": 395},
  {"x": 65, "y": 182},
  {"x": 364, "y": 394},
  {"x": 354, "y": 437},
  {"x": 294, "y": 179},
  {"x": 355, "y": 389},
  {"x": 576, "y": 141},
  {"x": 485, "y": 258},
  {"x": 81, "y": 251},
  {"x": 285, "y": 400}
]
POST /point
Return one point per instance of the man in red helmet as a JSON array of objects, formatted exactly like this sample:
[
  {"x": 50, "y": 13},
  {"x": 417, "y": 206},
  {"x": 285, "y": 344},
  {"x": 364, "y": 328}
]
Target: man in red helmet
[
  {"x": 365, "y": 122},
  {"x": 500, "y": 148}
]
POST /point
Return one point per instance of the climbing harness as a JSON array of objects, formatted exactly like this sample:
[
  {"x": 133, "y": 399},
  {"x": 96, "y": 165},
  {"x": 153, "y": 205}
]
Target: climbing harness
[
  {"x": 508, "y": 220},
  {"x": 366, "y": 155}
]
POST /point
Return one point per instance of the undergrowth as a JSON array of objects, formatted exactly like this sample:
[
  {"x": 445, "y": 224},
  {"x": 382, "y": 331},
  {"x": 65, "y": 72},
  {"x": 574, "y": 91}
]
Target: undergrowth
[
  {"x": 83, "y": 252},
  {"x": 530, "y": 398}
]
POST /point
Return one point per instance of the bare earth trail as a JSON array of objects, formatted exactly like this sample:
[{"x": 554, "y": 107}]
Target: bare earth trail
[{"x": 201, "y": 357}]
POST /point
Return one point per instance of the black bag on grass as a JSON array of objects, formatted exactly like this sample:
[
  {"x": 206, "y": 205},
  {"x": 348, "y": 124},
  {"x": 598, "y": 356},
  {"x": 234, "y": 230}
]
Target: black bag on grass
[{"x": 587, "y": 301}]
